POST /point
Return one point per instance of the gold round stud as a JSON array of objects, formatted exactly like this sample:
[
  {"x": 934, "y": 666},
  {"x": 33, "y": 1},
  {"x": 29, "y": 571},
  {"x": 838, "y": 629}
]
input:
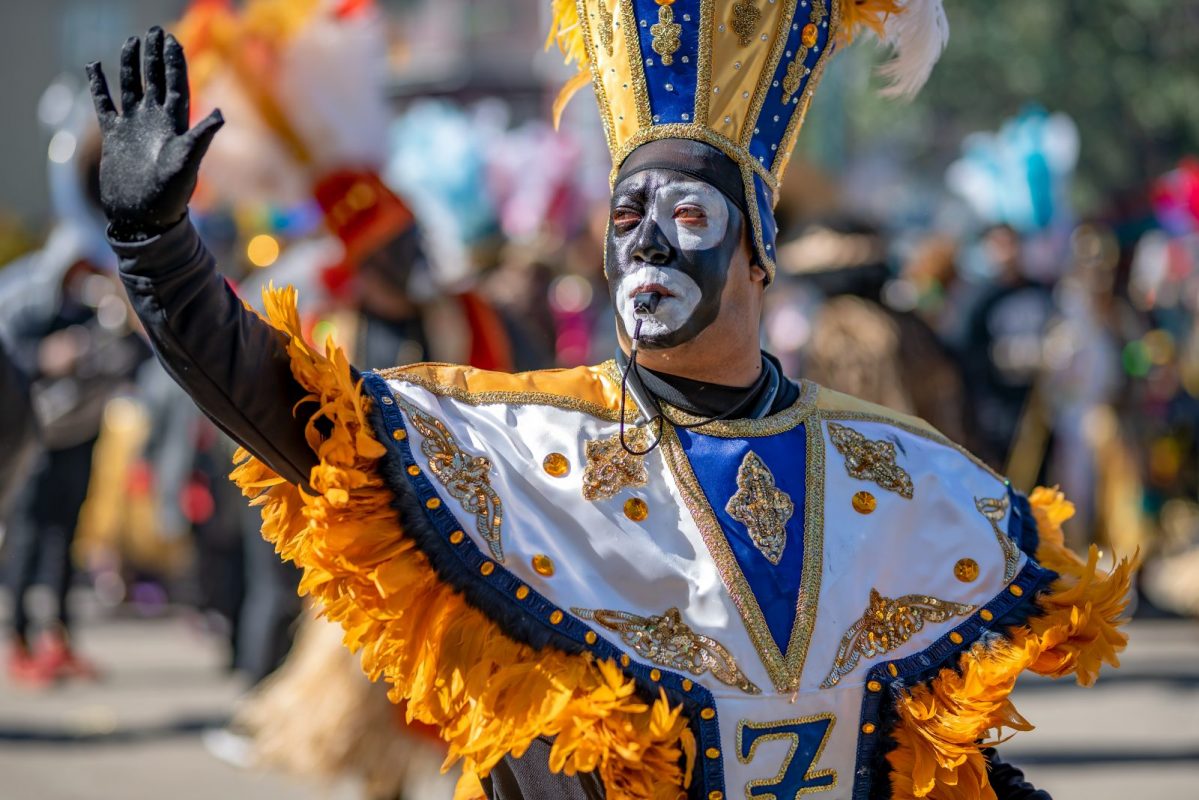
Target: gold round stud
[
  {"x": 874, "y": 686},
  {"x": 556, "y": 617},
  {"x": 542, "y": 565},
  {"x": 433, "y": 503},
  {"x": 809, "y": 35},
  {"x": 1016, "y": 590},
  {"x": 708, "y": 713},
  {"x": 687, "y": 684},
  {"x": 715, "y": 794},
  {"x": 894, "y": 670},
  {"x": 522, "y": 592},
  {"x": 399, "y": 434},
  {"x": 590, "y": 637},
  {"x": 414, "y": 470},
  {"x": 456, "y": 537},
  {"x": 556, "y": 465},
  {"x": 966, "y": 570},
  {"x": 986, "y": 615},
  {"x": 869, "y": 727},
  {"x": 624, "y": 659},
  {"x": 955, "y": 637},
  {"x": 712, "y": 752},
  {"x": 864, "y": 503},
  {"x": 655, "y": 675},
  {"x": 636, "y": 509},
  {"x": 487, "y": 568}
]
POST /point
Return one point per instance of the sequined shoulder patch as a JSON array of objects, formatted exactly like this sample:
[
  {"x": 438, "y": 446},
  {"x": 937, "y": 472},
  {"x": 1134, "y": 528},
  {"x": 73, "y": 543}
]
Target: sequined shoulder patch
[
  {"x": 887, "y": 624},
  {"x": 871, "y": 460},
  {"x": 668, "y": 641},
  {"x": 466, "y": 477},
  {"x": 611, "y": 468}
]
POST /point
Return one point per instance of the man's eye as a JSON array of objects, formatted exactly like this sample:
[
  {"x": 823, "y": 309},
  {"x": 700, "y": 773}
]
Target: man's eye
[
  {"x": 624, "y": 217},
  {"x": 691, "y": 215}
]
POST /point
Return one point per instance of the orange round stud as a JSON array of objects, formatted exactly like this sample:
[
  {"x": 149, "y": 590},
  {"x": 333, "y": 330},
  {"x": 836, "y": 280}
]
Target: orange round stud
[
  {"x": 869, "y": 727},
  {"x": 456, "y": 537},
  {"x": 966, "y": 570},
  {"x": 556, "y": 617},
  {"x": 556, "y": 465},
  {"x": 655, "y": 675},
  {"x": 487, "y": 568},
  {"x": 894, "y": 670},
  {"x": 399, "y": 434},
  {"x": 712, "y": 752},
  {"x": 715, "y": 794},
  {"x": 955, "y": 637},
  {"x": 708, "y": 713},
  {"x": 864, "y": 503},
  {"x": 874, "y": 686},
  {"x": 624, "y": 659},
  {"x": 590, "y": 637},
  {"x": 433, "y": 502},
  {"x": 522, "y": 592},
  {"x": 636, "y": 509},
  {"x": 542, "y": 565},
  {"x": 986, "y": 615},
  {"x": 687, "y": 684},
  {"x": 810, "y": 35},
  {"x": 414, "y": 470},
  {"x": 1016, "y": 590}
]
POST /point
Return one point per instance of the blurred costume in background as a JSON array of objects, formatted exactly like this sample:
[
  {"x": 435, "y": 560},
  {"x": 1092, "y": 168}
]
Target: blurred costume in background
[
  {"x": 381, "y": 285},
  {"x": 613, "y": 582},
  {"x": 68, "y": 328},
  {"x": 18, "y": 439}
]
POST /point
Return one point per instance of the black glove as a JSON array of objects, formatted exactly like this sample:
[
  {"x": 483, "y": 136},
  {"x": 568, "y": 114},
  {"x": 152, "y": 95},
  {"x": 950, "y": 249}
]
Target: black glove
[{"x": 149, "y": 159}]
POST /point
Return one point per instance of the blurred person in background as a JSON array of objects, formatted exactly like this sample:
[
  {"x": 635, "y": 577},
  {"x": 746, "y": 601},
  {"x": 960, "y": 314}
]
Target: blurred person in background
[
  {"x": 68, "y": 327},
  {"x": 18, "y": 438}
]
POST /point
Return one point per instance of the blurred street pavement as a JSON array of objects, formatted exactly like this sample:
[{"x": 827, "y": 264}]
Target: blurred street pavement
[{"x": 136, "y": 735}]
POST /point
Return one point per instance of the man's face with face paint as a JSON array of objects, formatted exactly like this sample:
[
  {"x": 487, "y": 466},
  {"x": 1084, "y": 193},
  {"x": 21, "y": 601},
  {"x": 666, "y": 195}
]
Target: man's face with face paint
[{"x": 674, "y": 235}]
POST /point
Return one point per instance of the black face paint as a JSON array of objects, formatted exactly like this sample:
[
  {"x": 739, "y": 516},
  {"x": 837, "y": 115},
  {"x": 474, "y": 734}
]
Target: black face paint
[{"x": 663, "y": 237}]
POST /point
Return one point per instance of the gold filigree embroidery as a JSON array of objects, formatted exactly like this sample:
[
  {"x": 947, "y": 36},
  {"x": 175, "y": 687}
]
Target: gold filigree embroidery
[
  {"x": 746, "y": 16},
  {"x": 665, "y": 33},
  {"x": 797, "y": 70},
  {"x": 814, "y": 780},
  {"x": 610, "y": 468},
  {"x": 761, "y": 507},
  {"x": 886, "y": 625},
  {"x": 668, "y": 641},
  {"x": 995, "y": 509},
  {"x": 604, "y": 29},
  {"x": 467, "y": 478},
  {"x": 871, "y": 460},
  {"x": 795, "y": 123}
]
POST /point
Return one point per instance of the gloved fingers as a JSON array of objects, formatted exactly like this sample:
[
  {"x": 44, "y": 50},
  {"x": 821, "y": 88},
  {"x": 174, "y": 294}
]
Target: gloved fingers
[
  {"x": 154, "y": 69},
  {"x": 199, "y": 137},
  {"x": 178, "y": 98},
  {"x": 131, "y": 74},
  {"x": 106, "y": 112}
]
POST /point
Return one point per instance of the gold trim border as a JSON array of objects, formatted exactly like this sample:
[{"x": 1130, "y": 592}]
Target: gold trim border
[
  {"x": 791, "y": 135},
  {"x": 786, "y": 19},
  {"x": 597, "y": 79},
  {"x": 696, "y": 132},
  {"x": 628, "y": 18}
]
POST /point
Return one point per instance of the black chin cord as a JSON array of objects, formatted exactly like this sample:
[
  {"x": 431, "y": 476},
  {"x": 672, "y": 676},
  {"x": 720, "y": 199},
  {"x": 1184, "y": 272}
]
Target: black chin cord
[{"x": 645, "y": 304}]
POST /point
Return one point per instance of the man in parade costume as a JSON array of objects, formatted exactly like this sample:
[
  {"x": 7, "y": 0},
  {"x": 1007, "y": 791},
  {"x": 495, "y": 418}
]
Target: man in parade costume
[{"x": 676, "y": 574}]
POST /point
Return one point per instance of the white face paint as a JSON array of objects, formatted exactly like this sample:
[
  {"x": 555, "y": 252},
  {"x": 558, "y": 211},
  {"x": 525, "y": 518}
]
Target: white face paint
[
  {"x": 675, "y": 308},
  {"x": 682, "y": 293}
]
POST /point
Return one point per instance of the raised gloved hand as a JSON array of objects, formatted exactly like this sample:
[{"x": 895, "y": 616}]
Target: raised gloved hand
[{"x": 149, "y": 159}]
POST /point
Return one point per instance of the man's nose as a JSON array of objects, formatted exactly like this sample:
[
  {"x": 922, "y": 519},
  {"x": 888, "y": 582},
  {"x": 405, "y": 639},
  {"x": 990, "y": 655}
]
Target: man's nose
[{"x": 652, "y": 246}]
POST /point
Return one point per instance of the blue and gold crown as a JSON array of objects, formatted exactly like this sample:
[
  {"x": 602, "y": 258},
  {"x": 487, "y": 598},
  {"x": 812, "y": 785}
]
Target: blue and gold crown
[{"x": 735, "y": 74}]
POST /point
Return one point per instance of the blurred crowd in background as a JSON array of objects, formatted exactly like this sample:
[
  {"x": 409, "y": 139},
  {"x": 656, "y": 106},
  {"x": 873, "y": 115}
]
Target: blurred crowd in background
[{"x": 1013, "y": 256}]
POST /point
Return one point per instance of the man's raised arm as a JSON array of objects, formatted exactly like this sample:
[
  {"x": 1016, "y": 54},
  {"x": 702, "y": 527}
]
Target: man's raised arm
[{"x": 234, "y": 365}]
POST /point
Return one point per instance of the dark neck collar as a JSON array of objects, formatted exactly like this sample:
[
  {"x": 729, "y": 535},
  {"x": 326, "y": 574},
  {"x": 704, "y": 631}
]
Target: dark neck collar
[{"x": 771, "y": 393}]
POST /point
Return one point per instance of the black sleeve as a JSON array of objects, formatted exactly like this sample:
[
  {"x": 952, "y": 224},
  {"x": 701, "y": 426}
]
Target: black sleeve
[
  {"x": 1008, "y": 781},
  {"x": 233, "y": 364}
]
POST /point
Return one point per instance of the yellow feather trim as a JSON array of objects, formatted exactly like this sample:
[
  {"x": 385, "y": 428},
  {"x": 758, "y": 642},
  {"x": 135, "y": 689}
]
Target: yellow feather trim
[
  {"x": 939, "y": 724},
  {"x": 567, "y": 31},
  {"x": 859, "y": 15},
  {"x": 488, "y": 695}
]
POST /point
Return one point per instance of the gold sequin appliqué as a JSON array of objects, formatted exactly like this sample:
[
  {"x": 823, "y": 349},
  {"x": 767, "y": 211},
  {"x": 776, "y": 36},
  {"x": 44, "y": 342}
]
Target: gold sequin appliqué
[
  {"x": 605, "y": 26},
  {"x": 665, "y": 33},
  {"x": 761, "y": 507},
  {"x": 870, "y": 460},
  {"x": 797, "y": 70},
  {"x": 467, "y": 478},
  {"x": 995, "y": 509},
  {"x": 668, "y": 641},
  {"x": 746, "y": 16},
  {"x": 886, "y": 625},
  {"x": 610, "y": 468}
]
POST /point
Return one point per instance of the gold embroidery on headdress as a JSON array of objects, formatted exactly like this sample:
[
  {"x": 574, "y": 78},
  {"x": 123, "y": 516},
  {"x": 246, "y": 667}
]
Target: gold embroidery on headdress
[
  {"x": 606, "y": 34},
  {"x": 869, "y": 460},
  {"x": 610, "y": 468},
  {"x": 746, "y": 16},
  {"x": 797, "y": 70},
  {"x": 467, "y": 478},
  {"x": 886, "y": 625},
  {"x": 665, "y": 33},
  {"x": 668, "y": 641},
  {"x": 995, "y": 509},
  {"x": 761, "y": 507}
]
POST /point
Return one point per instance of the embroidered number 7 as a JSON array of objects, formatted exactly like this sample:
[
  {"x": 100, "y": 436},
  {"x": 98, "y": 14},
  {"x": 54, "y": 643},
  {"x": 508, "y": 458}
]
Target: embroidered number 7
[{"x": 808, "y": 737}]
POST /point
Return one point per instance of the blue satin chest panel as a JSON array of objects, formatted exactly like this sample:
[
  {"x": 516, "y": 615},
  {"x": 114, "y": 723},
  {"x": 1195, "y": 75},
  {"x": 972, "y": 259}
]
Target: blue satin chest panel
[{"x": 717, "y": 463}]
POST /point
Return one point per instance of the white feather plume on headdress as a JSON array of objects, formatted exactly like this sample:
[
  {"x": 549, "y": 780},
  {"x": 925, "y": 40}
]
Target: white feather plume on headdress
[{"x": 915, "y": 30}]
